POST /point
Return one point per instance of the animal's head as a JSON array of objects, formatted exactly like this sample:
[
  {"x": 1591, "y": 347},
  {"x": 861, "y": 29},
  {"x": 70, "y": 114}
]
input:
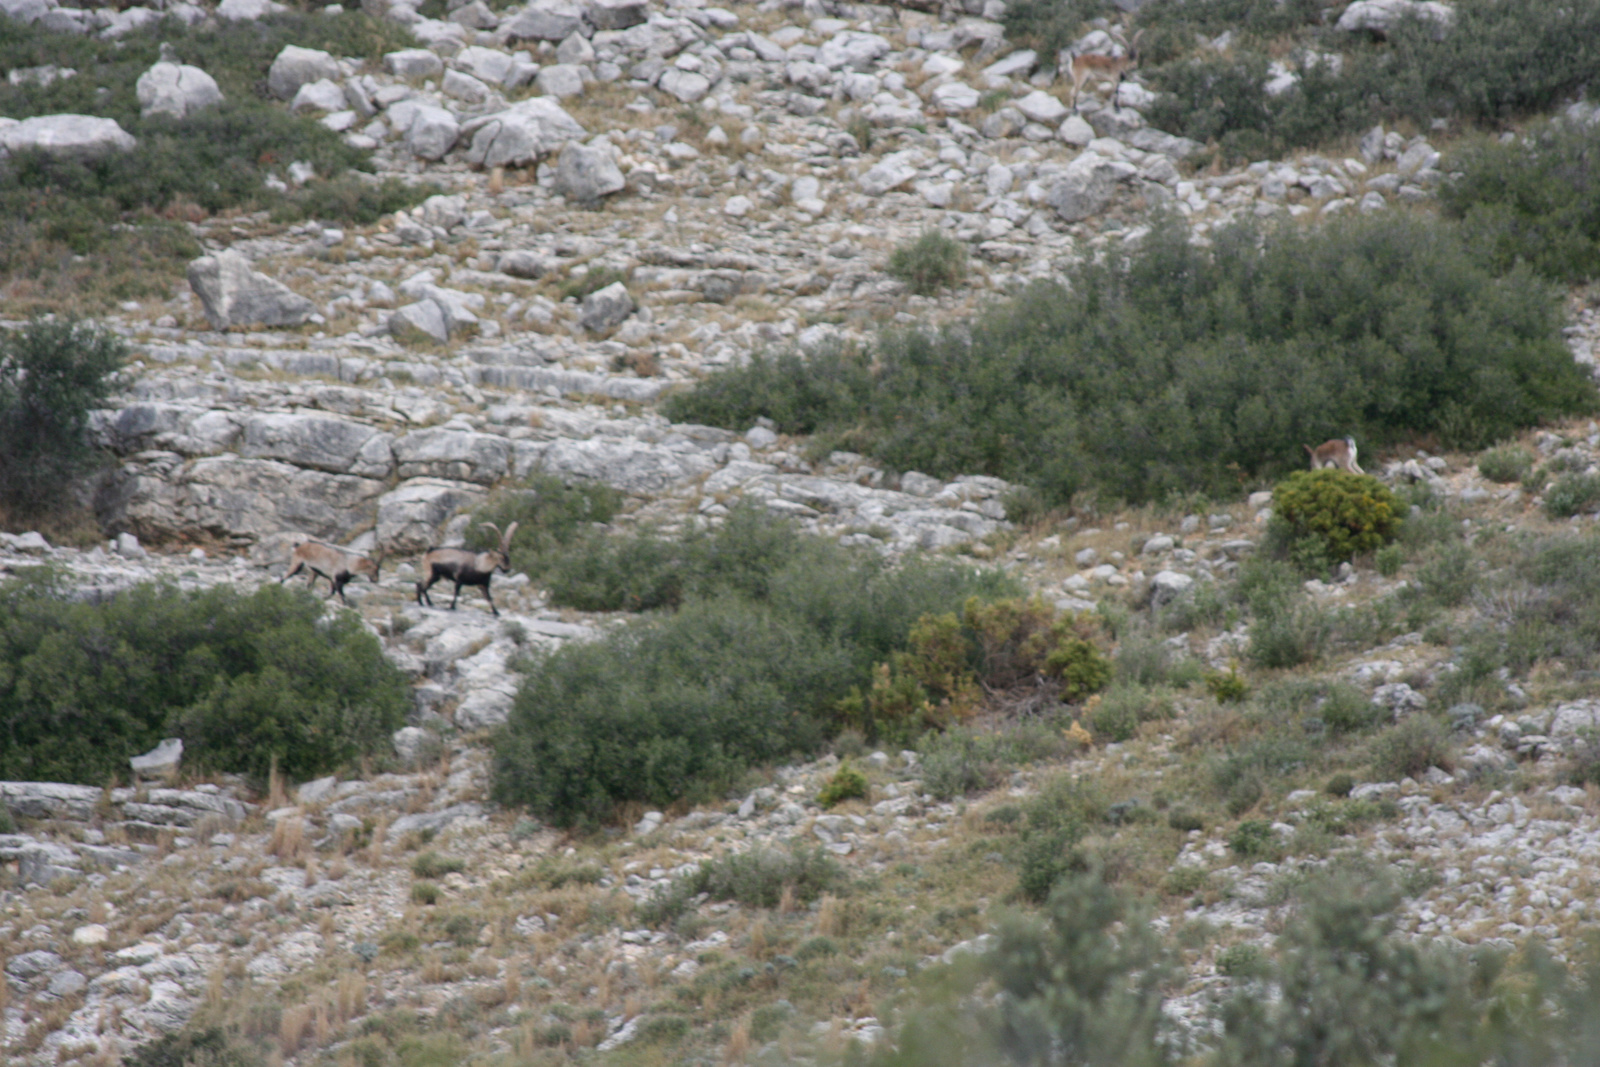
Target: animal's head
[
  {"x": 503, "y": 549},
  {"x": 371, "y": 567}
]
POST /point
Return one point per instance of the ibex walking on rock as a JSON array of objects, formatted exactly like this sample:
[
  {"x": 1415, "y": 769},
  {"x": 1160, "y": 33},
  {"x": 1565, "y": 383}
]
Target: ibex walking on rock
[
  {"x": 338, "y": 565},
  {"x": 1086, "y": 65},
  {"x": 466, "y": 567},
  {"x": 1339, "y": 453}
]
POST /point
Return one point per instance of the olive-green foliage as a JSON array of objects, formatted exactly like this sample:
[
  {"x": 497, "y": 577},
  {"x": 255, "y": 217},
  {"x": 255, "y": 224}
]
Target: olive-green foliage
[
  {"x": 214, "y": 160},
  {"x": 1226, "y": 687},
  {"x": 1125, "y": 707},
  {"x": 52, "y": 374},
  {"x": 1178, "y": 369},
  {"x": 1048, "y": 26},
  {"x": 1082, "y": 984},
  {"x": 1535, "y": 199},
  {"x": 930, "y": 263},
  {"x": 432, "y": 865},
  {"x": 774, "y": 629},
  {"x": 1571, "y": 494},
  {"x": 847, "y": 783},
  {"x": 756, "y": 878},
  {"x": 210, "y": 1046},
  {"x": 1285, "y": 630},
  {"x": 1055, "y": 821},
  {"x": 1498, "y": 60},
  {"x": 1255, "y": 839},
  {"x": 551, "y": 515},
  {"x": 1507, "y": 464},
  {"x": 1419, "y": 741},
  {"x": 243, "y": 679},
  {"x": 1346, "y": 514},
  {"x": 962, "y": 760}
]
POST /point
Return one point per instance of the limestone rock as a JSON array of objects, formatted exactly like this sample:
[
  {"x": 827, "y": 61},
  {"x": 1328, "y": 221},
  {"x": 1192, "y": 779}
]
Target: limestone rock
[
  {"x": 560, "y": 80},
  {"x": 413, "y": 64},
  {"x": 521, "y": 134},
  {"x": 175, "y": 89},
  {"x": 544, "y": 20},
  {"x": 606, "y": 309},
  {"x": 1380, "y": 16},
  {"x": 159, "y": 761},
  {"x": 616, "y": 14},
  {"x": 318, "y": 442},
  {"x": 71, "y": 136},
  {"x": 234, "y": 293},
  {"x": 409, "y": 516},
  {"x": 296, "y": 66},
  {"x": 586, "y": 173},
  {"x": 1087, "y": 186},
  {"x": 853, "y": 49},
  {"x": 432, "y": 133},
  {"x": 453, "y": 454},
  {"x": 686, "y": 85}
]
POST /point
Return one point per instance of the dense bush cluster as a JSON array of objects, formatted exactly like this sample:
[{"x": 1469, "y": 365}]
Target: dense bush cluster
[
  {"x": 1334, "y": 514},
  {"x": 1179, "y": 369},
  {"x": 772, "y": 628},
  {"x": 245, "y": 680},
  {"x": 1085, "y": 981},
  {"x": 931, "y": 262},
  {"x": 1535, "y": 199},
  {"x": 758, "y": 878},
  {"x": 52, "y": 374},
  {"x": 1496, "y": 61},
  {"x": 214, "y": 160}
]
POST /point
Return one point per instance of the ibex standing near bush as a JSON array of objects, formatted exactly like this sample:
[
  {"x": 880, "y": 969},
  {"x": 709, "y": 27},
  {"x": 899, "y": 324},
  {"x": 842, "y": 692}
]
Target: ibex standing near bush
[
  {"x": 1086, "y": 65},
  {"x": 338, "y": 565},
  {"x": 1339, "y": 453},
  {"x": 466, "y": 567}
]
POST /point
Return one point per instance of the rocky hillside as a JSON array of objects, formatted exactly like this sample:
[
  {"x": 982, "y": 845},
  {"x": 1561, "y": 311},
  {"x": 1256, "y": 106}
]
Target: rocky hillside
[{"x": 607, "y": 200}]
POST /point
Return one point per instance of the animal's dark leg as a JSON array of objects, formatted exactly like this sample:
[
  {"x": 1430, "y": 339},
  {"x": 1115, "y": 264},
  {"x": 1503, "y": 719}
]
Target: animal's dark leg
[
  {"x": 422, "y": 590},
  {"x": 338, "y": 587},
  {"x": 456, "y": 597},
  {"x": 490, "y": 599},
  {"x": 296, "y": 569}
]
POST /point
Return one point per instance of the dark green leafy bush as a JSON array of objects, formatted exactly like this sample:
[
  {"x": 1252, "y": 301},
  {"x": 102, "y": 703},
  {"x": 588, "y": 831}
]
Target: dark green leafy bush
[
  {"x": 244, "y": 680},
  {"x": 1179, "y": 369},
  {"x": 847, "y": 783},
  {"x": 52, "y": 374},
  {"x": 961, "y": 760},
  {"x": 1048, "y": 25},
  {"x": 757, "y": 878},
  {"x": 1345, "y": 514},
  {"x": 1254, "y": 839},
  {"x": 1571, "y": 494},
  {"x": 1508, "y": 464},
  {"x": 1056, "y": 820},
  {"x": 930, "y": 263},
  {"x": 551, "y": 514},
  {"x": 1419, "y": 741},
  {"x": 773, "y": 630}
]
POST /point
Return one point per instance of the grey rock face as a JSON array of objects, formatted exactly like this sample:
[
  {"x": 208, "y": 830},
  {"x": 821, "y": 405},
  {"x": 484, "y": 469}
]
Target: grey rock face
[
  {"x": 319, "y": 442},
  {"x": 71, "y": 136},
  {"x": 1380, "y": 16},
  {"x": 560, "y": 80},
  {"x": 686, "y": 85},
  {"x": 453, "y": 454},
  {"x": 424, "y": 318},
  {"x": 176, "y": 89},
  {"x": 544, "y": 20},
  {"x": 521, "y": 134},
  {"x": 235, "y": 294},
  {"x": 413, "y": 63},
  {"x": 162, "y": 759},
  {"x": 605, "y": 309},
  {"x": 1087, "y": 186},
  {"x": 409, "y": 517},
  {"x": 586, "y": 174},
  {"x": 616, "y": 14},
  {"x": 296, "y": 66},
  {"x": 432, "y": 133}
]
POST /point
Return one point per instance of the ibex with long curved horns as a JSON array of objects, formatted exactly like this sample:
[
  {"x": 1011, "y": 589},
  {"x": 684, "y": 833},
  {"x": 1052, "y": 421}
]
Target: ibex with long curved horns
[{"x": 466, "y": 567}]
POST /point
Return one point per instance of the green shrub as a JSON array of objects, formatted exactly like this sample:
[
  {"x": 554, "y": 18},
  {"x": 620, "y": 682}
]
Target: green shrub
[
  {"x": 847, "y": 783},
  {"x": 434, "y": 866},
  {"x": 425, "y": 893},
  {"x": 1572, "y": 494},
  {"x": 961, "y": 760},
  {"x": 1410, "y": 748},
  {"x": 52, "y": 374},
  {"x": 245, "y": 680},
  {"x": 1056, "y": 819},
  {"x": 774, "y": 630},
  {"x": 758, "y": 878},
  {"x": 1048, "y": 25},
  {"x": 211, "y": 1046},
  {"x": 1339, "y": 785},
  {"x": 1184, "y": 821},
  {"x": 551, "y": 514},
  {"x": 1348, "y": 514},
  {"x": 1389, "y": 559},
  {"x": 1346, "y": 709},
  {"x": 8, "y": 825},
  {"x": 1175, "y": 369},
  {"x": 1508, "y": 464},
  {"x": 1226, "y": 687},
  {"x": 1449, "y": 577},
  {"x": 1254, "y": 839},
  {"x": 1243, "y": 960},
  {"x": 658, "y": 1029},
  {"x": 930, "y": 263},
  {"x": 1122, "y": 709}
]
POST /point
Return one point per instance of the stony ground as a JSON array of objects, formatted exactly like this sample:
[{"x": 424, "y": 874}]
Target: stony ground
[{"x": 748, "y": 172}]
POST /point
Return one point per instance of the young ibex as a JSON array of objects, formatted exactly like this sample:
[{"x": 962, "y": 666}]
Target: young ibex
[
  {"x": 338, "y": 565},
  {"x": 1086, "y": 65},
  {"x": 1338, "y": 453},
  {"x": 466, "y": 567}
]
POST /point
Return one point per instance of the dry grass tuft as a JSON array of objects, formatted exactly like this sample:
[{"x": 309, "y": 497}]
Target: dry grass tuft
[{"x": 288, "y": 841}]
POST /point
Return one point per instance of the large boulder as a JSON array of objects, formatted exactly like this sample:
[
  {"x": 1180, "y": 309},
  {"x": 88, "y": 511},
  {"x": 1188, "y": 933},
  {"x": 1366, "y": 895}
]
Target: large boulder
[
  {"x": 248, "y": 10},
  {"x": 321, "y": 442},
  {"x": 413, "y": 64},
  {"x": 234, "y": 293},
  {"x": 296, "y": 66},
  {"x": 1381, "y": 16},
  {"x": 560, "y": 80},
  {"x": 616, "y": 14},
  {"x": 1087, "y": 186},
  {"x": 25, "y": 11},
  {"x": 453, "y": 454},
  {"x": 72, "y": 136},
  {"x": 627, "y": 464},
  {"x": 686, "y": 85},
  {"x": 409, "y": 517},
  {"x": 606, "y": 308},
  {"x": 175, "y": 89},
  {"x": 521, "y": 134},
  {"x": 890, "y": 172},
  {"x": 432, "y": 133},
  {"x": 586, "y": 173},
  {"x": 853, "y": 49},
  {"x": 544, "y": 20}
]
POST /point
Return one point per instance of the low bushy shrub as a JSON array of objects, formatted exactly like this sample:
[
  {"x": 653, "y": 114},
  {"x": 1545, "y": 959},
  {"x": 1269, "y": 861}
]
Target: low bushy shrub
[
  {"x": 1407, "y": 751},
  {"x": 774, "y": 629},
  {"x": 1174, "y": 369},
  {"x": 1572, "y": 494},
  {"x": 52, "y": 374},
  {"x": 758, "y": 878},
  {"x": 932, "y": 262},
  {"x": 1346, "y": 514},
  {"x": 960, "y": 760},
  {"x": 245, "y": 680},
  {"x": 847, "y": 783},
  {"x": 551, "y": 515},
  {"x": 1506, "y": 464},
  {"x": 1056, "y": 819}
]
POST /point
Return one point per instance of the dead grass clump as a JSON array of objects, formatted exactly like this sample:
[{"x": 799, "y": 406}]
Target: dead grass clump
[{"x": 288, "y": 842}]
